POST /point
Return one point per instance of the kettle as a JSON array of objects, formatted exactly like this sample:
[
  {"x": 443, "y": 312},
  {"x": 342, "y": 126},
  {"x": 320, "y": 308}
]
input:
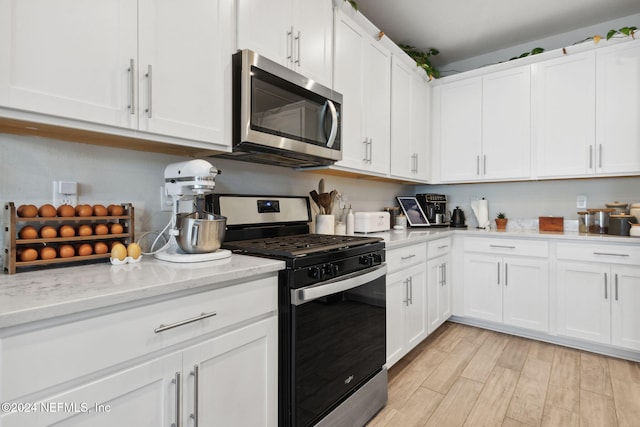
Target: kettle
[{"x": 457, "y": 218}]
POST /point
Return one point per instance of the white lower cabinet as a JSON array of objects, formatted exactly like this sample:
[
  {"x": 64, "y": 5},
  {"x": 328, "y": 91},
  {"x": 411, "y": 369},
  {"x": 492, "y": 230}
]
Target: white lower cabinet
[
  {"x": 599, "y": 303},
  {"x": 439, "y": 292},
  {"x": 513, "y": 290},
  {"x": 406, "y": 300},
  {"x": 127, "y": 368}
]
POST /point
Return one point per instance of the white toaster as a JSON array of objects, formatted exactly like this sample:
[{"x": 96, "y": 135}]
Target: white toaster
[{"x": 371, "y": 222}]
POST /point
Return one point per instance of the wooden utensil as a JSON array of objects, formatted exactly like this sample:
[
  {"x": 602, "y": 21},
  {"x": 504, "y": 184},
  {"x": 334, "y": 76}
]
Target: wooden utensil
[
  {"x": 316, "y": 198},
  {"x": 325, "y": 202}
]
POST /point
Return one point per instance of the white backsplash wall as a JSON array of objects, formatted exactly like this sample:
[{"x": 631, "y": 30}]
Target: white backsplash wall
[
  {"x": 29, "y": 165},
  {"x": 529, "y": 200}
]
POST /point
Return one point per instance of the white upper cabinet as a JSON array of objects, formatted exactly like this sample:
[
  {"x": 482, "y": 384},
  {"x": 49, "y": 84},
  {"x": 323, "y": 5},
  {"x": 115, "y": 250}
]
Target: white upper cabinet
[
  {"x": 297, "y": 34},
  {"x": 618, "y": 109},
  {"x": 69, "y": 60},
  {"x": 160, "y": 67},
  {"x": 485, "y": 127},
  {"x": 362, "y": 76},
  {"x": 564, "y": 115},
  {"x": 184, "y": 68},
  {"x": 410, "y": 99}
]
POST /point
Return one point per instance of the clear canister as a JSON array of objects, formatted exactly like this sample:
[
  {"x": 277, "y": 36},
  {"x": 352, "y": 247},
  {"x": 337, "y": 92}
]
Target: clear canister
[
  {"x": 619, "y": 208},
  {"x": 583, "y": 226},
  {"x": 598, "y": 220}
]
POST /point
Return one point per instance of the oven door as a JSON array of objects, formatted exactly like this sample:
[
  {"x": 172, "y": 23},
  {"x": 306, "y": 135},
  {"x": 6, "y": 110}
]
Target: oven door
[{"x": 339, "y": 340}]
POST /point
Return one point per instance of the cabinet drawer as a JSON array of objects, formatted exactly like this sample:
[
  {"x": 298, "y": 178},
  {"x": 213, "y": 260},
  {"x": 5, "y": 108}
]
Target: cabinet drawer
[
  {"x": 537, "y": 248},
  {"x": 616, "y": 254},
  {"x": 438, "y": 247},
  {"x": 46, "y": 357},
  {"x": 406, "y": 255}
]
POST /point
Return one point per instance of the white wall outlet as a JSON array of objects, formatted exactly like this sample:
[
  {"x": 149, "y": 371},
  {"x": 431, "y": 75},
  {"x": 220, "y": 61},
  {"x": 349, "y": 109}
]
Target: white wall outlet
[
  {"x": 65, "y": 193},
  {"x": 166, "y": 202},
  {"x": 581, "y": 202}
]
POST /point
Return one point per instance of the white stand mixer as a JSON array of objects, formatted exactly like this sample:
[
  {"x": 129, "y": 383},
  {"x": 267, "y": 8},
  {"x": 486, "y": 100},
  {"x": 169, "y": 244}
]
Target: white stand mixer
[{"x": 189, "y": 181}]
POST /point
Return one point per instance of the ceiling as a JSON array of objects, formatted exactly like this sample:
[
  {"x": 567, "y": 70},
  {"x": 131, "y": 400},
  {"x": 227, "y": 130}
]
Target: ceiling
[{"x": 461, "y": 29}]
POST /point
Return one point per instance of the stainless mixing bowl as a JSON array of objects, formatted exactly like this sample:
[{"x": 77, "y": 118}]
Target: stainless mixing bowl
[{"x": 200, "y": 233}]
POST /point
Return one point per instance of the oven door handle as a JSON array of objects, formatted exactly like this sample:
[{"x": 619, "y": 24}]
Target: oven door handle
[{"x": 340, "y": 284}]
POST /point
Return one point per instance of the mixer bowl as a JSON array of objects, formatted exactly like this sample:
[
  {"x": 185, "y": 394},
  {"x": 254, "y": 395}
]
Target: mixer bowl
[{"x": 200, "y": 233}]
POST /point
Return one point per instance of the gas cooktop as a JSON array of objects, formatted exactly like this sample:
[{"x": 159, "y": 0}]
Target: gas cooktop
[{"x": 298, "y": 245}]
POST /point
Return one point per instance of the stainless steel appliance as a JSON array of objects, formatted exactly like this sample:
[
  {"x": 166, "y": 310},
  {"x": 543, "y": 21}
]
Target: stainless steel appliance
[
  {"x": 434, "y": 207},
  {"x": 281, "y": 117},
  {"x": 332, "y": 310}
]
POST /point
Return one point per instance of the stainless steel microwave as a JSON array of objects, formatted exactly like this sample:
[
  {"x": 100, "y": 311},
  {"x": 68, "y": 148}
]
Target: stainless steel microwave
[{"x": 281, "y": 117}]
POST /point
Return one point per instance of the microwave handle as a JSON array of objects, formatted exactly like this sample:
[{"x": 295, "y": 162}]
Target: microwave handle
[{"x": 334, "y": 123}]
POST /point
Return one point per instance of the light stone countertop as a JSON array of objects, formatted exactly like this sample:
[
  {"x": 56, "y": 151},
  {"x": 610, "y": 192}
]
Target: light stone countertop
[{"x": 46, "y": 294}]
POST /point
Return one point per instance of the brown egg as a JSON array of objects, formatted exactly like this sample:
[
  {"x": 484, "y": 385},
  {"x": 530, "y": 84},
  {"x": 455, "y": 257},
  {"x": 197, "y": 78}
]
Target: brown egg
[
  {"x": 27, "y": 211},
  {"x": 114, "y": 243},
  {"x": 115, "y": 210},
  {"x": 119, "y": 252},
  {"x": 85, "y": 249},
  {"x": 47, "y": 211},
  {"x": 100, "y": 210},
  {"x": 101, "y": 229},
  {"x": 48, "y": 232},
  {"x": 28, "y": 232},
  {"x": 85, "y": 230},
  {"x": 84, "y": 210},
  {"x": 28, "y": 254},
  {"x": 66, "y": 231},
  {"x": 66, "y": 211},
  {"x": 100, "y": 248},
  {"x": 115, "y": 228},
  {"x": 66, "y": 251},
  {"x": 48, "y": 252}
]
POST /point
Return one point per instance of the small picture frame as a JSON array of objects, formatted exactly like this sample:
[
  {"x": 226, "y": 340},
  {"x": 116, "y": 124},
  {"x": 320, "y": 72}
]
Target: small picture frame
[{"x": 412, "y": 210}]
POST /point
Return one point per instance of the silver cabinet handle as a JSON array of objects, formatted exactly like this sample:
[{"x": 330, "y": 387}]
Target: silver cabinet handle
[
  {"x": 610, "y": 254},
  {"x": 404, "y": 258},
  {"x": 444, "y": 275},
  {"x": 606, "y": 295},
  {"x": 502, "y": 246},
  {"x": 600, "y": 156},
  {"x": 132, "y": 89},
  {"x": 366, "y": 150},
  {"x": 162, "y": 328},
  {"x": 370, "y": 152},
  {"x": 506, "y": 274},
  {"x": 616, "y": 278},
  {"x": 297, "y": 39},
  {"x": 477, "y": 165},
  {"x": 590, "y": 156},
  {"x": 196, "y": 376},
  {"x": 149, "y": 77},
  {"x": 411, "y": 290},
  {"x": 443, "y": 247},
  {"x": 290, "y": 45},
  {"x": 484, "y": 165},
  {"x": 178, "y": 384},
  {"x": 406, "y": 291},
  {"x": 498, "y": 265}
]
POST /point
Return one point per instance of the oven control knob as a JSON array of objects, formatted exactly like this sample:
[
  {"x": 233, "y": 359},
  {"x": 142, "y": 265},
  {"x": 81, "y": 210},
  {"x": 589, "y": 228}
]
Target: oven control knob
[
  {"x": 366, "y": 259},
  {"x": 316, "y": 272}
]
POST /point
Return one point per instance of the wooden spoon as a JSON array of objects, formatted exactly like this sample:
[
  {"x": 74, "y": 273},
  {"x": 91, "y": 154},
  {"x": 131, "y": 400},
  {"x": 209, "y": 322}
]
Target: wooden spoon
[
  {"x": 316, "y": 198},
  {"x": 325, "y": 202}
]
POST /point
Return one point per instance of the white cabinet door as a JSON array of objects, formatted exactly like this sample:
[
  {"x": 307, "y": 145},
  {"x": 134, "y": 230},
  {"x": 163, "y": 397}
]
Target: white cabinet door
[
  {"x": 266, "y": 28},
  {"x": 69, "y": 60},
  {"x": 482, "y": 287},
  {"x": 313, "y": 39},
  {"x": 232, "y": 380},
  {"x": 460, "y": 130},
  {"x": 297, "y": 34},
  {"x": 144, "y": 395},
  {"x": 563, "y": 115},
  {"x": 396, "y": 302},
  {"x": 625, "y": 307},
  {"x": 421, "y": 99},
  {"x": 362, "y": 76},
  {"x": 401, "y": 147},
  {"x": 416, "y": 329},
  {"x": 185, "y": 68},
  {"x": 506, "y": 124},
  {"x": 618, "y": 109},
  {"x": 583, "y": 292},
  {"x": 526, "y": 293},
  {"x": 439, "y": 291}
]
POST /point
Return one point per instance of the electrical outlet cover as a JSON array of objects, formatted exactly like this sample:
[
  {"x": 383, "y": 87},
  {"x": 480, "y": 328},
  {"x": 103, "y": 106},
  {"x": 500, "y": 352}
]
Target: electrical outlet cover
[{"x": 581, "y": 202}]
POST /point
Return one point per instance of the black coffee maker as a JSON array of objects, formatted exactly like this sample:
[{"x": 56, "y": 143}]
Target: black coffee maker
[{"x": 434, "y": 207}]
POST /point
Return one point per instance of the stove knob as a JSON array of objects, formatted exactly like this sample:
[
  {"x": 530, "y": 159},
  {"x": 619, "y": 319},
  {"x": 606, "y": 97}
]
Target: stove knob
[
  {"x": 316, "y": 272},
  {"x": 366, "y": 260},
  {"x": 377, "y": 259},
  {"x": 334, "y": 269}
]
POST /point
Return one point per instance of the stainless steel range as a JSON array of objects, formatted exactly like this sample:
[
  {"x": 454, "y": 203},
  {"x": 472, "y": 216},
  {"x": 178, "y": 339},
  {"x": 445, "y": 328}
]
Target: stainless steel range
[{"x": 332, "y": 309}]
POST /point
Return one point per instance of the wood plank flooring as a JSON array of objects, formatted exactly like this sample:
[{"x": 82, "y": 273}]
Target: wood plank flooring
[{"x": 466, "y": 376}]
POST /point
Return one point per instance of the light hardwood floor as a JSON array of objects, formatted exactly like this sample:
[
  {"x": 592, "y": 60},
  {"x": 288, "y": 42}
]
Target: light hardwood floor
[{"x": 466, "y": 376}]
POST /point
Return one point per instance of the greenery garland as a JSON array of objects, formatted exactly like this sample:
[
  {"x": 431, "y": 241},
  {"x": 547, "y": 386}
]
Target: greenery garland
[{"x": 423, "y": 59}]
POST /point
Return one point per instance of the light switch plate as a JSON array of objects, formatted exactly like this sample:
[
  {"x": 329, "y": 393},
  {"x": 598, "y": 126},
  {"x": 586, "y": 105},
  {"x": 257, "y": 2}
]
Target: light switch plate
[
  {"x": 581, "y": 202},
  {"x": 65, "y": 193}
]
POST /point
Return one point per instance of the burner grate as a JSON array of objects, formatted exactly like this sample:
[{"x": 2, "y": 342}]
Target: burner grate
[{"x": 298, "y": 245}]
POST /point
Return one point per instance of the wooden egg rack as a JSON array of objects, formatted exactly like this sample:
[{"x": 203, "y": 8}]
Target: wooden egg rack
[{"x": 13, "y": 224}]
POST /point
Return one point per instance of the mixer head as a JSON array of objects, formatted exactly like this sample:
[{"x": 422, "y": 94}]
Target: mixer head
[{"x": 184, "y": 180}]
